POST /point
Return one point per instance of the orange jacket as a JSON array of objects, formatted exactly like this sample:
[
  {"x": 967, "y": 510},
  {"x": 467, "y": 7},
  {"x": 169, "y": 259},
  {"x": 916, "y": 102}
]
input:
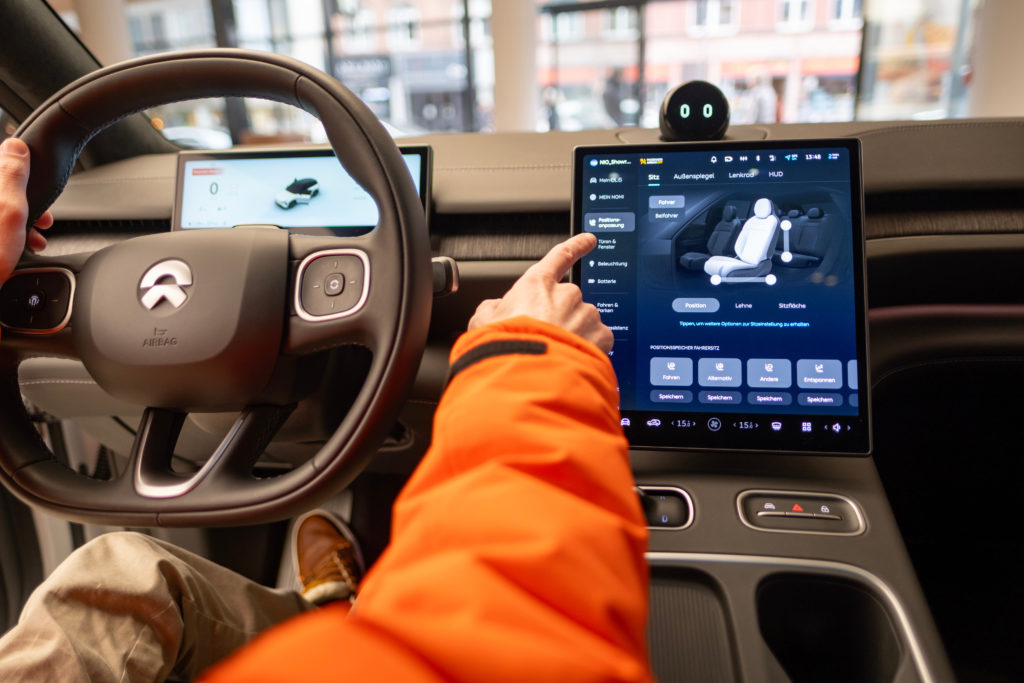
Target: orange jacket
[{"x": 517, "y": 545}]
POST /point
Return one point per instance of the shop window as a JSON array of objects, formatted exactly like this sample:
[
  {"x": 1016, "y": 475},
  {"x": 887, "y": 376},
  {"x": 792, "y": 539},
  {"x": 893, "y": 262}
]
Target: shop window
[
  {"x": 479, "y": 22},
  {"x": 569, "y": 27},
  {"x": 359, "y": 31},
  {"x": 846, "y": 14},
  {"x": 796, "y": 15},
  {"x": 714, "y": 17},
  {"x": 622, "y": 23},
  {"x": 403, "y": 27}
]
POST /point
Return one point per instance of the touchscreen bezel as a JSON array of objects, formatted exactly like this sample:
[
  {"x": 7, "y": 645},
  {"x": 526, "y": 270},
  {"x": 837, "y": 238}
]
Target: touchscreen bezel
[
  {"x": 857, "y": 439},
  {"x": 425, "y": 152}
]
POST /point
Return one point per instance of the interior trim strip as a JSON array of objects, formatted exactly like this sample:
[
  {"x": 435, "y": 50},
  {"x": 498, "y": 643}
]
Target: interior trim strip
[{"x": 149, "y": 489}]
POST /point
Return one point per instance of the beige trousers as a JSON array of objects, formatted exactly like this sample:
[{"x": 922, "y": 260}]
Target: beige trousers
[{"x": 128, "y": 607}]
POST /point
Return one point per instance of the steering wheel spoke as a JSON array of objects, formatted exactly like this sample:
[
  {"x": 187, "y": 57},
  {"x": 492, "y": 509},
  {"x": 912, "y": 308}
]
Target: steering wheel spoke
[{"x": 151, "y": 458}]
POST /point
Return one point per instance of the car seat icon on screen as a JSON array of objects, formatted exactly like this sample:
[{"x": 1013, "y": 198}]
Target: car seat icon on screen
[{"x": 754, "y": 246}]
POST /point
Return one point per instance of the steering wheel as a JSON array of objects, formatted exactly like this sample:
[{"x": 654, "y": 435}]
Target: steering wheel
[{"x": 215, "y": 320}]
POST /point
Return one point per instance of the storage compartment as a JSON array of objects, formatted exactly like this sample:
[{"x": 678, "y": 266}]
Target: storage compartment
[
  {"x": 688, "y": 632},
  {"x": 758, "y": 619},
  {"x": 827, "y": 629}
]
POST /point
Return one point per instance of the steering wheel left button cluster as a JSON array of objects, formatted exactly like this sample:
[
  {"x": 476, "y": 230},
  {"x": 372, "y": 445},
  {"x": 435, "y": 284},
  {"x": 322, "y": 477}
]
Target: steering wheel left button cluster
[
  {"x": 37, "y": 301},
  {"x": 332, "y": 284}
]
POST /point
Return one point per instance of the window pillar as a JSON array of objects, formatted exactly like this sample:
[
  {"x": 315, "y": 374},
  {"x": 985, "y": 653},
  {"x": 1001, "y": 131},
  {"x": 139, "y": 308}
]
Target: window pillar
[
  {"x": 997, "y": 87},
  {"x": 104, "y": 27},
  {"x": 515, "y": 65}
]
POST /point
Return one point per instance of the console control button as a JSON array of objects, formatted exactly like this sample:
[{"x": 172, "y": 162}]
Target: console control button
[
  {"x": 797, "y": 511},
  {"x": 331, "y": 285},
  {"x": 665, "y": 507},
  {"x": 36, "y": 301}
]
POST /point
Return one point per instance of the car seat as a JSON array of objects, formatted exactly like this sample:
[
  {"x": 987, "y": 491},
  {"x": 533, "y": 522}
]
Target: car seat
[
  {"x": 753, "y": 246},
  {"x": 721, "y": 239}
]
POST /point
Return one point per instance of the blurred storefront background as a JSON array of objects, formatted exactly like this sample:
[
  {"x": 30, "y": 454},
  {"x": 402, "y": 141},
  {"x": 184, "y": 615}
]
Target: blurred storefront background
[{"x": 430, "y": 65}]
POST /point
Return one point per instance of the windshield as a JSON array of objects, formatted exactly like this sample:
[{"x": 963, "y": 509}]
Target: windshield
[{"x": 441, "y": 65}]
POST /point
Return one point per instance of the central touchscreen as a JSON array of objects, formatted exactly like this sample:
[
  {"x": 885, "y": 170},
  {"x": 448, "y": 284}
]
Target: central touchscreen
[{"x": 732, "y": 276}]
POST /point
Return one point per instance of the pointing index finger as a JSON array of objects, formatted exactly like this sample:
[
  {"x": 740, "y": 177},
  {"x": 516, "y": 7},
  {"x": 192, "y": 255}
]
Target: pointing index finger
[{"x": 557, "y": 262}]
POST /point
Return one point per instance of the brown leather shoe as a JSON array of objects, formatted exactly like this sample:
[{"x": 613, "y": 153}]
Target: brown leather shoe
[{"x": 326, "y": 557}]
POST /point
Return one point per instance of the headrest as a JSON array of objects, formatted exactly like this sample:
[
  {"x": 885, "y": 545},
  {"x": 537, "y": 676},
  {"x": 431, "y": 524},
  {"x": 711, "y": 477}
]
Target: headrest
[{"x": 763, "y": 207}]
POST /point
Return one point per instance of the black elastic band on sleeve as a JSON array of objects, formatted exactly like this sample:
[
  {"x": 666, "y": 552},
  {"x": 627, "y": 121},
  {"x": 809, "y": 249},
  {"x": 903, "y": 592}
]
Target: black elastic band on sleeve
[{"x": 496, "y": 348}]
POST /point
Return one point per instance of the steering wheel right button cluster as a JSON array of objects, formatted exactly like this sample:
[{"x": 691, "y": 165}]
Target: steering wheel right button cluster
[
  {"x": 332, "y": 284},
  {"x": 800, "y": 511}
]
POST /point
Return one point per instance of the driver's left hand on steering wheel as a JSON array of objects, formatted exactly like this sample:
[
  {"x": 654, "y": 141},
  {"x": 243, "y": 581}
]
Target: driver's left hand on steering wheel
[{"x": 14, "y": 169}]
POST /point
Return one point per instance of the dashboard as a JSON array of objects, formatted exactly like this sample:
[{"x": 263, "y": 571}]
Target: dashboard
[
  {"x": 943, "y": 233},
  {"x": 874, "y": 553}
]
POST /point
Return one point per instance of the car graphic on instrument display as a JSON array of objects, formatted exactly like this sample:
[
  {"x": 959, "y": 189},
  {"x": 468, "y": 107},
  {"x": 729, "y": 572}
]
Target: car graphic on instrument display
[{"x": 300, "y": 191}]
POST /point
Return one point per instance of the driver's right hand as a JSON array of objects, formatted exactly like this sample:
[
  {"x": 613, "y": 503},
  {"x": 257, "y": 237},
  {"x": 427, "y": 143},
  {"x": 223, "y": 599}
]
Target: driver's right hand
[{"x": 541, "y": 294}]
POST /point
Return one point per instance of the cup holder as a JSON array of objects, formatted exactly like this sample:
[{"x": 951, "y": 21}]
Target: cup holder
[{"x": 827, "y": 629}]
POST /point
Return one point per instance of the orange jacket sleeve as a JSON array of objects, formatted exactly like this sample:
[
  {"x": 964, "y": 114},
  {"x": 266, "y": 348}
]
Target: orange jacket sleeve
[{"x": 517, "y": 545}]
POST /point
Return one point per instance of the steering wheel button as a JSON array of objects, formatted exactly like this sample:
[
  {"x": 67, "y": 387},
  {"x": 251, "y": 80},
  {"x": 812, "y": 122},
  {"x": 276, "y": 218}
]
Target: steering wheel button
[
  {"x": 334, "y": 284},
  {"x": 35, "y": 300},
  {"x": 331, "y": 285}
]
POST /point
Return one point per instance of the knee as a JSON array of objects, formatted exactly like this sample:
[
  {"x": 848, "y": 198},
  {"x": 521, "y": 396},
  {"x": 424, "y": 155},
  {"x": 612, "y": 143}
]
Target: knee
[{"x": 111, "y": 552}]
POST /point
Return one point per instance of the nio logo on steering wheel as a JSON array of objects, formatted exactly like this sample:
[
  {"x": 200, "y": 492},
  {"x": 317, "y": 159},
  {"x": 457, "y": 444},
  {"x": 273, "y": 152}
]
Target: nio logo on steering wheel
[{"x": 175, "y": 269}]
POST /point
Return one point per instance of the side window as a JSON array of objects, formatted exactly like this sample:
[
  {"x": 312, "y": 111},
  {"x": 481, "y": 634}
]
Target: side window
[{"x": 7, "y": 125}]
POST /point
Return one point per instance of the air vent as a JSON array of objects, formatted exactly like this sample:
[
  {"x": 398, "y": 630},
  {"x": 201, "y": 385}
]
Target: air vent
[
  {"x": 75, "y": 236},
  {"x": 497, "y": 236},
  {"x": 126, "y": 226}
]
